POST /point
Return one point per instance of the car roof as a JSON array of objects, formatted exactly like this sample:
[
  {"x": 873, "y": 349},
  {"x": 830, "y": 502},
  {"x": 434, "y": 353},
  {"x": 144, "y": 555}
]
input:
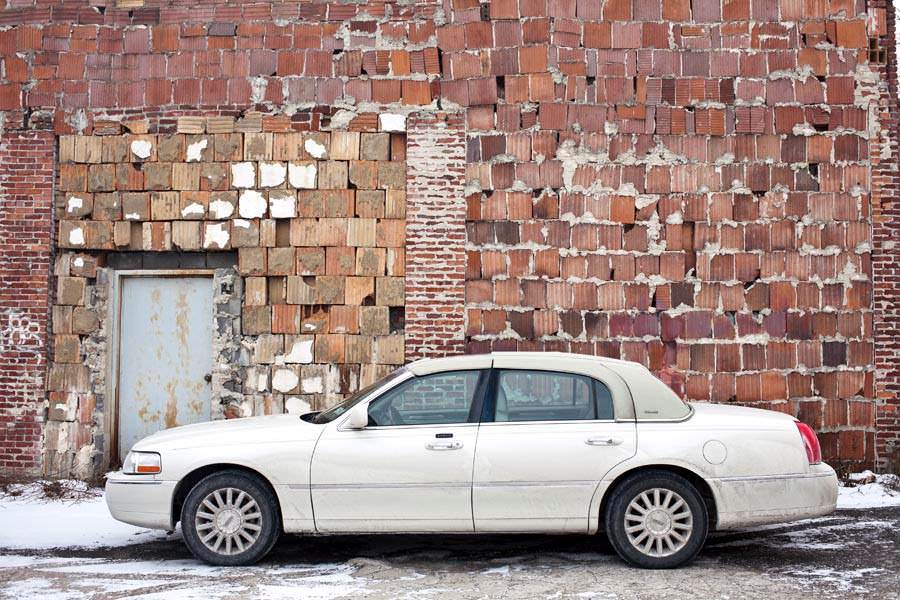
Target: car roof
[{"x": 640, "y": 394}]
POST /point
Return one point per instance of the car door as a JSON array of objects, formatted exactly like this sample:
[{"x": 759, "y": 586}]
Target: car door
[
  {"x": 545, "y": 446},
  {"x": 411, "y": 468}
]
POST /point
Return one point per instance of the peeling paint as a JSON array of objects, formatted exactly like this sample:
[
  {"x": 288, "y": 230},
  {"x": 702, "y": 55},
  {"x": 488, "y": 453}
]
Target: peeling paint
[
  {"x": 243, "y": 175},
  {"x": 302, "y": 176},
  {"x": 141, "y": 148},
  {"x": 271, "y": 174},
  {"x": 195, "y": 150},
  {"x": 251, "y": 204}
]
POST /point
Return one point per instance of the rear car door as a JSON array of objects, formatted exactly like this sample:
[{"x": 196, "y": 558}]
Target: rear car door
[
  {"x": 544, "y": 448},
  {"x": 411, "y": 468}
]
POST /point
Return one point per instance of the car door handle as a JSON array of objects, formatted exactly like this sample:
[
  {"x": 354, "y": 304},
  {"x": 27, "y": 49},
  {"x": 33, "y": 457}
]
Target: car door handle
[
  {"x": 444, "y": 445},
  {"x": 602, "y": 441}
]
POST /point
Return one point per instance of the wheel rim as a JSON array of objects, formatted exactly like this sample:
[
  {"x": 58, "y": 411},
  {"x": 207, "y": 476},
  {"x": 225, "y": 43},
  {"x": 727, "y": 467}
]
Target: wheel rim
[
  {"x": 228, "y": 521},
  {"x": 658, "y": 522}
]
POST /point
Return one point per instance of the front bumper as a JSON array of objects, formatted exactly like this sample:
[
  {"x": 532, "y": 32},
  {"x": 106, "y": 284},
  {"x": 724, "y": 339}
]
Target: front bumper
[
  {"x": 746, "y": 501},
  {"x": 140, "y": 500}
]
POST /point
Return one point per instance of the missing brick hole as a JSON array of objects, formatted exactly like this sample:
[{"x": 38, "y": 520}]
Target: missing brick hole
[
  {"x": 397, "y": 319},
  {"x": 591, "y": 80},
  {"x": 731, "y": 399},
  {"x": 485, "y": 11},
  {"x": 821, "y": 78},
  {"x": 368, "y": 301},
  {"x": 501, "y": 88},
  {"x": 813, "y": 169},
  {"x": 820, "y": 126},
  {"x": 629, "y": 228}
]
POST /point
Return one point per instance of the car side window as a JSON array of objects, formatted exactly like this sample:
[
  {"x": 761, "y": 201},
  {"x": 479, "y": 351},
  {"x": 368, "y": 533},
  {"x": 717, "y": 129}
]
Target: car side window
[
  {"x": 437, "y": 399},
  {"x": 550, "y": 396}
]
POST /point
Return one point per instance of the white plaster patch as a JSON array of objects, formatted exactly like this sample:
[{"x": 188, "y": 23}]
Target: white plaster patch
[
  {"x": 251, "y": 204},
  {"x": 220, "y": 209},
  {"x": 271, "y": 174},
  {"x": 194, "y": 208},
  {"x": 242, "y": 223},
  {"x": 217, "y": 235},
  {"x": 314, "y": 148},
  {"x": 301, "y": 352},
  {"x": 282, "y": 205},
  {"x": 76, "y": 236},
  {"x": 302, "y": 176},
  {"x": 284, "y": 380},
  {"x": 313, "y": 385},
  {"x": 141, "y": 148},
  {"x": 392, "y": 122},
  {"x": 78, "y": 262},
  {"x": 132, "y": 216},
  {"x": 243, "y": 175},
  {"x": 262, "y": 382},
  {"x": 195, "y": 150},
  {"x": 74, "y": 203},
  {"x": 296, "y": 406}
]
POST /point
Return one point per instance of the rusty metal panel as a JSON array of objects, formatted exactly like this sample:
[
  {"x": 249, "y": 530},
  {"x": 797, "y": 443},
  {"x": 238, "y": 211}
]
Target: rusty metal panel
[{"x": 165, "y": 355}]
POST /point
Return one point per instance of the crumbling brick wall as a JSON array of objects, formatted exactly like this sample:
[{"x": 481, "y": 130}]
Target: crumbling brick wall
[
  {"x": 680, "y": 183},
  {"x": 706, "y": 186}
]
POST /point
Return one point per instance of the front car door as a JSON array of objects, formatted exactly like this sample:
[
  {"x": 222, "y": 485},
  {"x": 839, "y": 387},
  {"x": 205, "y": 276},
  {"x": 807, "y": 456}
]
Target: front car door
[
  {"x": 547, "y": 438},
  {"x": 411, "y": 468}
]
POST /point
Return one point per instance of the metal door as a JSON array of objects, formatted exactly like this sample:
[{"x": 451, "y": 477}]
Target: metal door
[{"x": 165, "y": 355}]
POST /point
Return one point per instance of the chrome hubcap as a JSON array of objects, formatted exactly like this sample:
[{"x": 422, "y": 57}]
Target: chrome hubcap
[
  {"x": 658, "y": 522},
  {"x": 228, "y": 521}
]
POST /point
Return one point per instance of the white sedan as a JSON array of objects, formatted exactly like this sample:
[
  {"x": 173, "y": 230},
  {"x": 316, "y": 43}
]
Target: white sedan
[{"x": 502, "y": 442}]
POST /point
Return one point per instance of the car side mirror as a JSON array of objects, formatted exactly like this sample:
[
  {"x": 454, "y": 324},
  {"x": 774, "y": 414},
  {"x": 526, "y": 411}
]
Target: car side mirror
[{"x": 359, "y": 417}]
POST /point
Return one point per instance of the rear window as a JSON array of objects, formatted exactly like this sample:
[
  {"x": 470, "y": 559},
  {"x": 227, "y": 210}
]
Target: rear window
[{"x": 550, "y": 396}]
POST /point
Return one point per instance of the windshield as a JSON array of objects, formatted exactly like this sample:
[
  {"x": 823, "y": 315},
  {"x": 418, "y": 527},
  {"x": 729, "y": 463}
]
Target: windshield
[{"x": 335, "y": 411}]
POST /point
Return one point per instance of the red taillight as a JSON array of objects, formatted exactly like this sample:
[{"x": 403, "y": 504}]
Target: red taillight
[{"x": 810, "y": 442}]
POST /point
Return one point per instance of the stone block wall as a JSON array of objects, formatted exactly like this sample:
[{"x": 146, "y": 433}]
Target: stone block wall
[{"x": 315, "y": 220}]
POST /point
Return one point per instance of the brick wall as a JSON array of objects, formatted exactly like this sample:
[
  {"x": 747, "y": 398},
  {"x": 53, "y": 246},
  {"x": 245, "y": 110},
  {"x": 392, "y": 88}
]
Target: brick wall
[
  {"x": 26, "y": 192},
  {"x": 706, "y": 186},
  {"x": 436, "y": 236},
  {"x": 662, "y": 182},
  {"x": 886, "y": 228}
]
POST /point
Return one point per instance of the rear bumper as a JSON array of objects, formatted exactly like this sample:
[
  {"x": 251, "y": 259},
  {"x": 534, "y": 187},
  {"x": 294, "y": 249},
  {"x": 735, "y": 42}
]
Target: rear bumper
[
  {"x": 746, "y": 501},
  {"x": 140, "y": 501}
]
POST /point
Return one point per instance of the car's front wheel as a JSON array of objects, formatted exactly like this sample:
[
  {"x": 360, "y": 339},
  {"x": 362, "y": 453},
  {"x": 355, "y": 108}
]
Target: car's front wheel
[
  {"x": 657, "y": 520},
  {"x": 230, "y": 518}
]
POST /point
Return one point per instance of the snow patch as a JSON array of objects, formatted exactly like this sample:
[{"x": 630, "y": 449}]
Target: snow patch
[{"x": 870, "y": 491}]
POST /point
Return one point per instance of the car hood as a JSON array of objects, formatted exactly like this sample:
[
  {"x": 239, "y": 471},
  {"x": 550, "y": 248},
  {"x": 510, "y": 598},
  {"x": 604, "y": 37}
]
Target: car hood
[
  {"x": 742, "y": 416},
  {"x": 247, "y": 430}
]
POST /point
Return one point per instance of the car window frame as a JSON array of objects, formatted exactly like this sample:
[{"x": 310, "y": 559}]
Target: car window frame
[
  {"x": 489, "y": 409},
  {"x": 475, "y": 410}
]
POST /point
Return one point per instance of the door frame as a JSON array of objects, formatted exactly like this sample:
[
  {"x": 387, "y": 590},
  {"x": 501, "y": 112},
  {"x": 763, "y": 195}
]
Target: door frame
[{"x": 111, "y": 411}]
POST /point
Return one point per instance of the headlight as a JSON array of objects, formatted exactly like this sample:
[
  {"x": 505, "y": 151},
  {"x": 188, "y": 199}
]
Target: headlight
[{"x": 142, "y": 463}]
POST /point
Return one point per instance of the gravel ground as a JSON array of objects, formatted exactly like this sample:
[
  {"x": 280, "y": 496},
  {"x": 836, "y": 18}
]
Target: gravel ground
[{"x": 851, "y": 554}]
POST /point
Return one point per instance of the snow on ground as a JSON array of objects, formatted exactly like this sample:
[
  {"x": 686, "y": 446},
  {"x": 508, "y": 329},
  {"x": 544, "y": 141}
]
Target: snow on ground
[
  {"x": 870, "y": 491},
  {"x": 78, "y": 519}
]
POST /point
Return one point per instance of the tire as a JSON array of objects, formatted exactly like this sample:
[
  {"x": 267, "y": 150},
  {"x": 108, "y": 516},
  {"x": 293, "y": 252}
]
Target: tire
[
  {"x": 230, "y": 518},
  {"x": 677, "y": 525}
]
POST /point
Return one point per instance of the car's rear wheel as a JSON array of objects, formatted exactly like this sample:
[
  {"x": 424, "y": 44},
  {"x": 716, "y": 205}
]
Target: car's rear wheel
[
  {"x": 657, "y": 520},
  {"x": 230, "y": 518}
]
